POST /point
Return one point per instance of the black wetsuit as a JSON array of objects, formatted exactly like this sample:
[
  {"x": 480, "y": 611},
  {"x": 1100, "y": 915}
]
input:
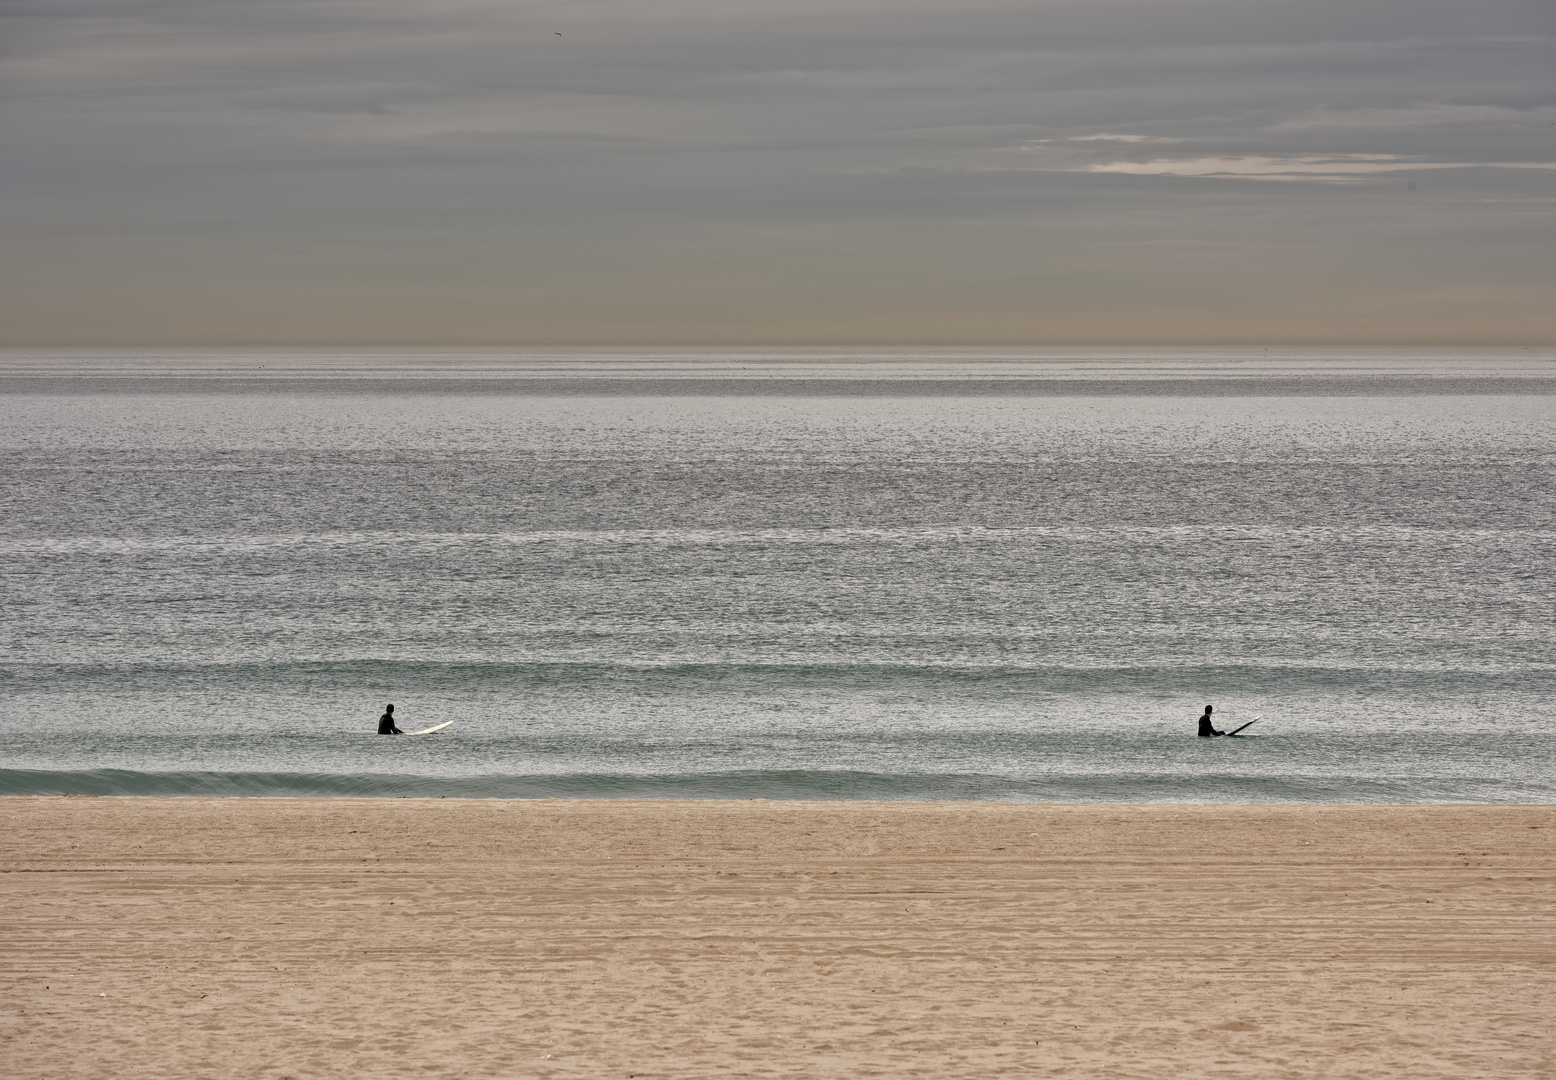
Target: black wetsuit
[
  {"x": 386, "y": 725},
  {"x": 1207, "y": 728}
]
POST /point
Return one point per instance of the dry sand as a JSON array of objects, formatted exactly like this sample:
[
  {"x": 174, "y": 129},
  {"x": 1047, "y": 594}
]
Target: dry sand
[{"x": 384, "y": 938}]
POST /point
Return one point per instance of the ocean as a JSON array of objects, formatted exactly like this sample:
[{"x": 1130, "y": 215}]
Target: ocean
[{"x": 805, "y": 574}]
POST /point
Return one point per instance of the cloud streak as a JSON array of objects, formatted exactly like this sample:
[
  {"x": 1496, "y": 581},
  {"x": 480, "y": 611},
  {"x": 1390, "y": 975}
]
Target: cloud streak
[{"x": 1303, "y": 167}]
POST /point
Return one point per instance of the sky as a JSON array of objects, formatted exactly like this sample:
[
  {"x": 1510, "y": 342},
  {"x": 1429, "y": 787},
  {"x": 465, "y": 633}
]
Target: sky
[{"x": 777, "y": 172}]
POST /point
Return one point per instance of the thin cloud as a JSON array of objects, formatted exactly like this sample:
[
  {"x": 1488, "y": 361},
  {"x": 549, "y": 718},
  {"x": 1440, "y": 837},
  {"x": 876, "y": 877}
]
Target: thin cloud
[
  {"x": 1304, "y": 167},
  {"x": 1439, "y": 115},
  {"x": 1109, "y": 137}
]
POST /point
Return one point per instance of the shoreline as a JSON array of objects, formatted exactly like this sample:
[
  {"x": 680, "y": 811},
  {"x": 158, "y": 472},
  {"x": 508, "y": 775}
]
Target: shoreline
[
  {"x": 675, "y": 938},
  {"x": 793, "y": 786}
]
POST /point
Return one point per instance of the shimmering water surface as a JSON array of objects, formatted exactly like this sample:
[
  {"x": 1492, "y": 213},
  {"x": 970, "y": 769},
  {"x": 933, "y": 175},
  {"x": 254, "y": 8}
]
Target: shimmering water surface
[{"x": 817, "y": 575}]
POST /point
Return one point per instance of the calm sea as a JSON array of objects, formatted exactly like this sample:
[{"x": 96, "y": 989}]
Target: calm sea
[{"x": 883, "y": 575}]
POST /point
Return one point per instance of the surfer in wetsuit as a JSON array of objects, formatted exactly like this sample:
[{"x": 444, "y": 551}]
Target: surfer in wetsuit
[
  {"x": 386, "y": 722},
  {"x": 1205, "y": 726}
]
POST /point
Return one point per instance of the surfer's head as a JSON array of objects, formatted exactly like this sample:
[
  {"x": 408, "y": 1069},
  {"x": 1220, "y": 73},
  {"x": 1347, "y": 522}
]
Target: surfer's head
[
  {"x": 1208, "y": 709},
  {"x": 388, "y": 708}
]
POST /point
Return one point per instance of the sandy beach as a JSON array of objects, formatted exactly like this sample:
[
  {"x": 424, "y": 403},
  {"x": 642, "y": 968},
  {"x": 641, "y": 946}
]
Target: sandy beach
[{"x": 365, "y": 938}]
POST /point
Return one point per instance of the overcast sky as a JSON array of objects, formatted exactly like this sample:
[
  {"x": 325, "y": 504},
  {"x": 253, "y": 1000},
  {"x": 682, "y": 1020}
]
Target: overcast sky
[{"x": 777, "y": 171}]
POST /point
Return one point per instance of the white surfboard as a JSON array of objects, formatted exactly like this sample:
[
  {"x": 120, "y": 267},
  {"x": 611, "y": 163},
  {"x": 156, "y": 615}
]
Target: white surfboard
[
  {"x": 429, "y": 731},
  {"x": 1234, "y": 731}
]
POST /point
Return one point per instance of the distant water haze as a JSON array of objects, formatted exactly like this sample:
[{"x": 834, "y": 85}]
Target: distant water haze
[
  {"x": 802, "y": 574},
  {"x": 150, "y": 369}
]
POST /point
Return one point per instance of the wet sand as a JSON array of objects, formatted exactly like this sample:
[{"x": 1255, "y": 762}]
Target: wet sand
[{"x": 453, "y": 938}]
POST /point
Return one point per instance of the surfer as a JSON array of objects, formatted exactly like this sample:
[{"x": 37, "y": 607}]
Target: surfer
[
  {"x": 1205, "y": 726},
  {"x": 386, "y": 723}
]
